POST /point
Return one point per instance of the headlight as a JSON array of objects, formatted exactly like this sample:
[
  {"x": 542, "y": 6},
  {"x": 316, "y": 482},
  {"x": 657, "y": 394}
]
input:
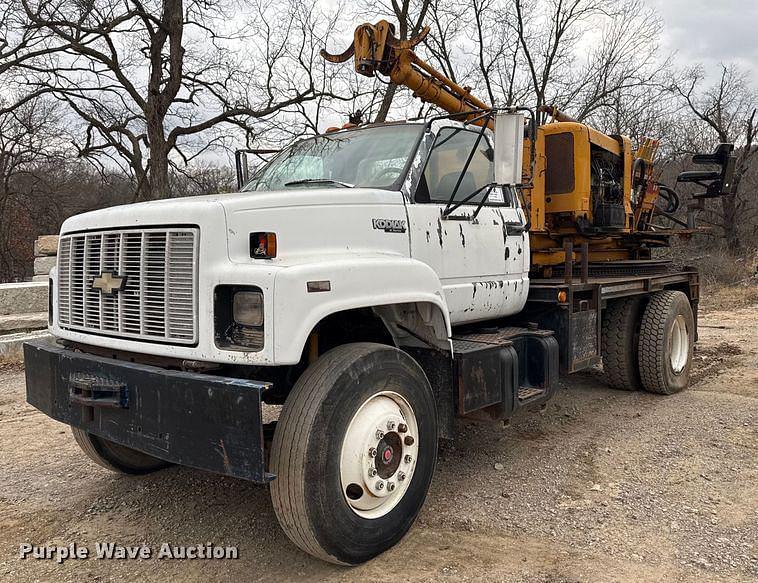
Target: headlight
[
  {"x": 247, "y": 308},
  {"x": 238, "y": 317}
]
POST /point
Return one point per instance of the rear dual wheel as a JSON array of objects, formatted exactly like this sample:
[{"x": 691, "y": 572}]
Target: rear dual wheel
[
  {"x": 620, "y": 338},
  {"x": 354, "y": 453},
  {"x": 667, "y": 337},
  {"x": 649, "y": 346}
]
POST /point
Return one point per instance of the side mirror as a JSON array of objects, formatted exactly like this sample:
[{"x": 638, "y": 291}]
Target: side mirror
[
  {"x": 241, "y": 163},
  {"x": 240, "y": 166},
  {"x": 509, "y": 148}
]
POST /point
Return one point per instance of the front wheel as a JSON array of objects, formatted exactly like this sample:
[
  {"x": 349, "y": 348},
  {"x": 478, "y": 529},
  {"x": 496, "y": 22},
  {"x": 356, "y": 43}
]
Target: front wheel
[
  {"x": 115, "y": 457},
  {"x": 354, "y": 452}
]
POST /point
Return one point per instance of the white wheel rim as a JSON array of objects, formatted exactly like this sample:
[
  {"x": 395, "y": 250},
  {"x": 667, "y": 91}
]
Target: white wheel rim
[
  {"x": 679, "y": 345},
  {"x": 379, "y": 453}
]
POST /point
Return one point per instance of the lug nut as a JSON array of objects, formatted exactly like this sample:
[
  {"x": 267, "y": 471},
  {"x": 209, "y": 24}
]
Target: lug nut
[
  {"x": 408, "y": 459},
  {"x": 408, "y": 440},
  {"x": 380, "y": 485},
  {"x": 400, "y": 476},
  {"x": 402, "y": 428},
  {"x": 379, "y": 434},
  {"x": 372, "y": 451},
  {"x": 390, "y": 486},
  {"x": 390, "y": 425},
  {"x": 372, "y": 472}
]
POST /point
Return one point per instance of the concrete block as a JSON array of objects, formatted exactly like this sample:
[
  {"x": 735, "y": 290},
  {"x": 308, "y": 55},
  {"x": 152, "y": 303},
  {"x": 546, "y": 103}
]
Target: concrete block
[
  {"x": 41, "y": 277},
  {"x": 13, "y": 323},
  {"x": 46, "y": 245},
  {"x": 12, "y": 346},
  {"x": 43, "y": 265},
  {"x": 23, "y": 298}
]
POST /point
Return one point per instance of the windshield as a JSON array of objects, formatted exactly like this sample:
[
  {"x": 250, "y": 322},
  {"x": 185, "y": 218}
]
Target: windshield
[{"x": 372, "y": 157}]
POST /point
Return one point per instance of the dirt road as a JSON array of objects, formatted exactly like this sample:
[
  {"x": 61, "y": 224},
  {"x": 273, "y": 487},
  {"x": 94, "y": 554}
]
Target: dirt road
[{"x": 604, "y": 486}]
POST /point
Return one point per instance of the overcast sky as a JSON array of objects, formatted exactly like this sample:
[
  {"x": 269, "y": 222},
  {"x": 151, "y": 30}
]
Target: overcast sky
[{"x": 711, "y": 31}]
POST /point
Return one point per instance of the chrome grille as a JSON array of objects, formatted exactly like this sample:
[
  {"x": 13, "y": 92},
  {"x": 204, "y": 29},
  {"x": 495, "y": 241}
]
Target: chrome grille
[{"x": 159, "y": 299}]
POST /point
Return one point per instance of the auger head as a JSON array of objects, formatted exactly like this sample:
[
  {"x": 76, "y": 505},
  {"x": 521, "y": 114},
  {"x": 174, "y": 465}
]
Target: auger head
[{"x": 376, "y": 48}]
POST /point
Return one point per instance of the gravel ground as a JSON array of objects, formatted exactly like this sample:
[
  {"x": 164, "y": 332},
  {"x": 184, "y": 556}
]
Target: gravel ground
[{"x": 603, "y": 486}]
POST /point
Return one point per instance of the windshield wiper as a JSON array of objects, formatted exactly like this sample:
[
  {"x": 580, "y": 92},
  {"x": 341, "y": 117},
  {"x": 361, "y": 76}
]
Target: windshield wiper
[{"x": 319, "y": 181}]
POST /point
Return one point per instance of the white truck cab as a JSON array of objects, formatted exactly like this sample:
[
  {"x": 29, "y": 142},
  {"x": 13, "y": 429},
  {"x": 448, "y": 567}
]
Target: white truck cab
[{"x": 377, "y": 233}]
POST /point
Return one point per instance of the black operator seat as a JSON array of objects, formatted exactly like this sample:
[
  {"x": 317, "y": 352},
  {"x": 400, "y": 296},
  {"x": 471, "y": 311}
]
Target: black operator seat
[
  {"x": 698, "y": 175},
  {"x": 720, "y": 155},
  {"x": 716, "y": 182}
]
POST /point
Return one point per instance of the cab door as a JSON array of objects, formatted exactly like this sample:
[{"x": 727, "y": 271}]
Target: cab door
[{"x": 482, "y": 260}]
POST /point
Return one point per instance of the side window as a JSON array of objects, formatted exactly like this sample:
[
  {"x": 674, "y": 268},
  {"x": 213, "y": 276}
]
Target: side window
[{"x": 446, "y": 161}]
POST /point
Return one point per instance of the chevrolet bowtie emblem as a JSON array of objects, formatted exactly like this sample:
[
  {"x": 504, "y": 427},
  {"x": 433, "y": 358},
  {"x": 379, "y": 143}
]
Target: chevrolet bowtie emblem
[{"x": 108, "y": 283}]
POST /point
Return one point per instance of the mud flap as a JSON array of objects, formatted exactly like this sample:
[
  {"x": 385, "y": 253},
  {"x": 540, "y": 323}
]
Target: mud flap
[{"x": 203, "y": 421}]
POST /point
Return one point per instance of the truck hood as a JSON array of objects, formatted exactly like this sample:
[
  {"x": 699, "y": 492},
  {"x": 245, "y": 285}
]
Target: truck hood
[
  {"x": 307, "y": 221},
  {"x": 318, "y": 222}
]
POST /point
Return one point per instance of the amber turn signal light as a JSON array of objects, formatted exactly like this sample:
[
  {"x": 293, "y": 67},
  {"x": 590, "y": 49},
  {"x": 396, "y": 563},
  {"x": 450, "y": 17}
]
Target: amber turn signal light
[{"x": 262, "y": 245}]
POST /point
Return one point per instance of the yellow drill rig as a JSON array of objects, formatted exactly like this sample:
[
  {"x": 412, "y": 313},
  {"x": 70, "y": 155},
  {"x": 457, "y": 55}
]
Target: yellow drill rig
[{"x": 584, "y": 189}]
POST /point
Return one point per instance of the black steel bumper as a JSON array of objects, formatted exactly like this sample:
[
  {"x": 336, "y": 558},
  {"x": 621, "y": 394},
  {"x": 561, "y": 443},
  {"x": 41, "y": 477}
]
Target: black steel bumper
[{"x": 203, "y": 421}]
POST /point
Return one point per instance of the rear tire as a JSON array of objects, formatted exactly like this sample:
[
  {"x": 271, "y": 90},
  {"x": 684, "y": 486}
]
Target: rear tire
[
  {"x": 116, "y": 457},
  {"x": 620, "y": 331},
  {"x": 329, "y": 434},
  {"x": 667, "y": 336}
]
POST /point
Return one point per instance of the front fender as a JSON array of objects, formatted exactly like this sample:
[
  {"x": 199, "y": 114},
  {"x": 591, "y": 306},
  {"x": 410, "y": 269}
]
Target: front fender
[{"x": 355, "y": 282}]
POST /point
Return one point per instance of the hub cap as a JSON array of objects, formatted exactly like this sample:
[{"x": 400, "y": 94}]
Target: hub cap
[
  {"x": 379, "y": 453},
  {"x": 679, "y": 345}
]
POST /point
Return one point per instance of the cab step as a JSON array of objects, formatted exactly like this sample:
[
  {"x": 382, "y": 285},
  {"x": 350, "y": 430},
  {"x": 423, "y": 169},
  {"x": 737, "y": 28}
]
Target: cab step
[
  {"x": 528, "y": 393},
  {"x": 499, "y": 370}
]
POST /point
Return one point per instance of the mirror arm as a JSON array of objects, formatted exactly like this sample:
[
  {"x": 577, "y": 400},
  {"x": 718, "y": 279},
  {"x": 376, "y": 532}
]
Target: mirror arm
[
  {"x": 527, "y": 211},
  {"x": 464, "y": 170},
  {"x": 484, "y": 199},
  {"x": 446, "y": 213}
]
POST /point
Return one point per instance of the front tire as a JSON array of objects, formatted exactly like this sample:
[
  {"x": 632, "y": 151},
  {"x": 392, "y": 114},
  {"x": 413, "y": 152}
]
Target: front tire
[
  {"x": 360, "y": 416},
  {"x": 115, "y": 457},
  {"x": 667, "y": 337}
]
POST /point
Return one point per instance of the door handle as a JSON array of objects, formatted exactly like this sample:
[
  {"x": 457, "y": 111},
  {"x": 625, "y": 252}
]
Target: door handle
[{"x": 514, "y": 228}]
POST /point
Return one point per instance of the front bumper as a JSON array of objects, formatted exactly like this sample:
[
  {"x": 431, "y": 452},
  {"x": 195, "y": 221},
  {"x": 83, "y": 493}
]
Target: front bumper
[{"x": 203, "y": 421}]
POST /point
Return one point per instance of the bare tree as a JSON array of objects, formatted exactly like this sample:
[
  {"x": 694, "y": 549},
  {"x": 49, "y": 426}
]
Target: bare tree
[
  {"x": 446, "y": 19},
  {"x": 548, "y": 33},
  {"x": 30, "y": 136},
  {"x": 726, "y": 111},
  {"x": 624, "y": 61},
  {"x": 147, "y": 77},
  {"x": 339, "y": 91},
  {"x": 18, "y": 42},
  {"x": 410, "y": 16},
  {"x": 581, "y": 55}
]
